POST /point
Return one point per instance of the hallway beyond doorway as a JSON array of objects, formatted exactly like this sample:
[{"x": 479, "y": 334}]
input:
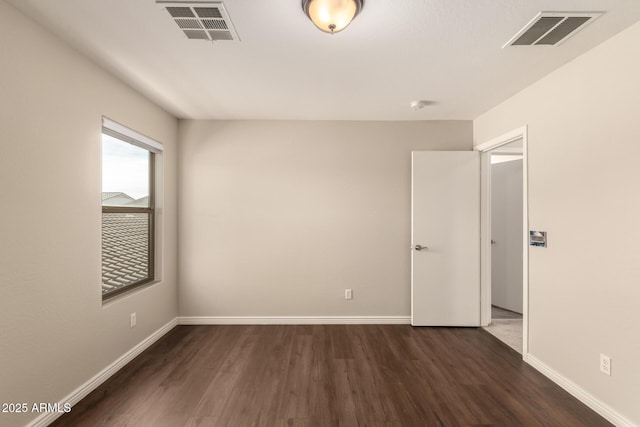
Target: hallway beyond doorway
[{"x": 507, "y": 327}]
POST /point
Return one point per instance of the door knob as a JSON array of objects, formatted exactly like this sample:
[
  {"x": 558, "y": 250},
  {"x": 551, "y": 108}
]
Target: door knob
[{"x": 420, "y": 248}]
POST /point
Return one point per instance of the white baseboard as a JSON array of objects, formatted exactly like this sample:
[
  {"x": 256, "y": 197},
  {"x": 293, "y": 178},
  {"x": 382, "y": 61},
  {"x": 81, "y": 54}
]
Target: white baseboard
[
  {"x": 294, "y": 320},
  {"x": 572, "y": 388},
  {"x": 78, "y": 394}
]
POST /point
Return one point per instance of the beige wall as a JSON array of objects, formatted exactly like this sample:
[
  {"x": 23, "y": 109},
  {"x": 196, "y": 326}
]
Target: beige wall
[
  {"x": 584, "y": 175},
  {"x": 278, "y": 218},
  {"x": 54, "y": 332}
]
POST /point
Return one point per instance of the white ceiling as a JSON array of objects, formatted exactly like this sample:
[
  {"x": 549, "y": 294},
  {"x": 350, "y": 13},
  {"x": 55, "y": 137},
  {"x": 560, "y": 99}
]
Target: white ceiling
[{"x": 445, "y": 51}]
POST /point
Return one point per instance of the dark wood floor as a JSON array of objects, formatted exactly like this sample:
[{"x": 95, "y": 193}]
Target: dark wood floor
[{"x": 319, "y": 375}]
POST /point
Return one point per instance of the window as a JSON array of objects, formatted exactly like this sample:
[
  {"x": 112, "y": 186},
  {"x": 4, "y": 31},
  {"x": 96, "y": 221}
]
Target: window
[{"x": 128, "y": 210}]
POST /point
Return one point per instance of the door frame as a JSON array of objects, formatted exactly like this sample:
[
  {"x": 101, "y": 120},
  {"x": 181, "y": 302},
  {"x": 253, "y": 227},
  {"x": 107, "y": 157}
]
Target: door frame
[{"x": 485, "y": 229}]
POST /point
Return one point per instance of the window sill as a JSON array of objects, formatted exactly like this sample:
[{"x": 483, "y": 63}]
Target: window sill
[{"x": 127, "y": 292}]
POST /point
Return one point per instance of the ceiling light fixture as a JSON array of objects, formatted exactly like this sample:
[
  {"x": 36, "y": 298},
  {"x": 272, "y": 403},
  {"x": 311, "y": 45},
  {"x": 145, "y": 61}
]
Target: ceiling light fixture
[{"x": 332, "y": 16}]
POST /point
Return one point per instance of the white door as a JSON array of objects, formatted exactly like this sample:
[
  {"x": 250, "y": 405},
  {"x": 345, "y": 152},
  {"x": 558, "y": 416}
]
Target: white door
[{"x": 445, "y": 238}]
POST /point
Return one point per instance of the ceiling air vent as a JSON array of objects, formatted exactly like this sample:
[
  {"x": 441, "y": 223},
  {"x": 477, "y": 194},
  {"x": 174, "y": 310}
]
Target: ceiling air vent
[
  {"x": 551, "y": 28},
  {"x": 201, "y": 20}
]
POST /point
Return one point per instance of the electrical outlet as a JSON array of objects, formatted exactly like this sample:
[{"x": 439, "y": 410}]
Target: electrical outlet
[
  {"x": 133, "y": 320},
  {"x": 605, "y": 364},
  {"x": 348, "y": 294}
]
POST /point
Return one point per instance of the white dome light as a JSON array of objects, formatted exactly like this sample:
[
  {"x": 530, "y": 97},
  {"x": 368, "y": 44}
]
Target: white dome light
[{"x": 331, "y": 16}]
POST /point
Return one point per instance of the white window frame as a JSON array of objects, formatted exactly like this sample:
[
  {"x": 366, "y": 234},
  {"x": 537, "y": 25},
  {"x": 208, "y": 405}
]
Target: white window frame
[{"x": 123, "y": 133}]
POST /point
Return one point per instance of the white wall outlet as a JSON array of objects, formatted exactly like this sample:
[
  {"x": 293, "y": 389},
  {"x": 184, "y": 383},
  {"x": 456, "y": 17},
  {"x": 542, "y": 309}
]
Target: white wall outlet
[
  {"x": 133, "y": 319},
  {"x": 348, "y": 294},
  {"x": 605, "y": 364}
]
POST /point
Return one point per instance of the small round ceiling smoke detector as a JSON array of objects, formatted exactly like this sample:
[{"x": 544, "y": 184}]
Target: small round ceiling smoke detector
[{"x": 418, "y": 105}]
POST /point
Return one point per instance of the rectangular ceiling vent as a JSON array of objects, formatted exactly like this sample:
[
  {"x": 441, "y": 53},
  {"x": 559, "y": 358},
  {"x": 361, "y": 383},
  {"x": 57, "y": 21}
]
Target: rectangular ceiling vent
[
  {"x": 551, "y": 28},
  {"x": 201, "y": 20}
]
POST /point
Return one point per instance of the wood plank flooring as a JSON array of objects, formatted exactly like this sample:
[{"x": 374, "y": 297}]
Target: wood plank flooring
[{"x": 328, "y": 375}]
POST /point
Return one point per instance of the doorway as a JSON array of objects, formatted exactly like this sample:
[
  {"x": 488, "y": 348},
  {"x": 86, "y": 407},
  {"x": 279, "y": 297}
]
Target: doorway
[
  {"x": 506, "y": 244},
  {"x": 504, "y": 251}
]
